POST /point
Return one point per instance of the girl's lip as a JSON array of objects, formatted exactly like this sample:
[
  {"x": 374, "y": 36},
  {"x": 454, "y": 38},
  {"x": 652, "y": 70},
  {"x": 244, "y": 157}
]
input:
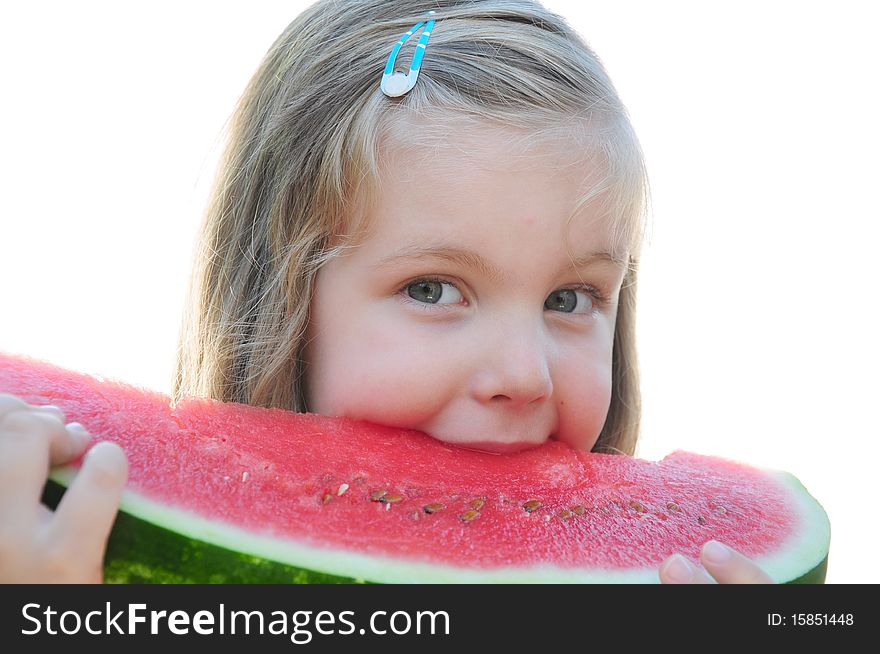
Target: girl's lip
[{"x": 494, "y": 447}]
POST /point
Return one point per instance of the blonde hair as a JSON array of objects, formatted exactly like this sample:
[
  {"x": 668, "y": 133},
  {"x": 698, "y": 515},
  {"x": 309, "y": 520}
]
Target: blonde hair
[{"x": 303, "y": 160}]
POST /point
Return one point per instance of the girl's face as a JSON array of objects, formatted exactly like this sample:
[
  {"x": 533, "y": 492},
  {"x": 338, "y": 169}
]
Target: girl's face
[{"x": 462, "y": 314}]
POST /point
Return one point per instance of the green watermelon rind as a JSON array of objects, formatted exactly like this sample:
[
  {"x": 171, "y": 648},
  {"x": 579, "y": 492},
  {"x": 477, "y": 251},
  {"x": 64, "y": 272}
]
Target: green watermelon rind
[
  {"x": 806, "y": 550},
  {"x": 154, "y": 543}
]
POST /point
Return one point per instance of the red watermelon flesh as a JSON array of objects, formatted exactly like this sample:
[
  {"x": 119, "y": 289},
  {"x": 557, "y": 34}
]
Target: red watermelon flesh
[{"x": 364, "y": 501}]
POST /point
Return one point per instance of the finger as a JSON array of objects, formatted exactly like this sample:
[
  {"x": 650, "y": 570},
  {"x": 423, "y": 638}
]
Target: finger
[
  {"x": 730, "y": 567},
  {"x": 678, "y": 570},
  {"x": 9, "y": 403},
  {"x": 87, "y": 510},
  {"x": 27, "y": 441},
  {"x": 65, "y": 443}
]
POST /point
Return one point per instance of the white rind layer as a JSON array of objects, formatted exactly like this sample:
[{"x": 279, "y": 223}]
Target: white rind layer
[
  {"x": 807, "y": 547},
  {"x": 794, "y": 558}
]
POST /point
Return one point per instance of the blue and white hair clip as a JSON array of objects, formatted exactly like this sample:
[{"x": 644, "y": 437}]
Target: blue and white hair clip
[{"x": 396, "y": 84}]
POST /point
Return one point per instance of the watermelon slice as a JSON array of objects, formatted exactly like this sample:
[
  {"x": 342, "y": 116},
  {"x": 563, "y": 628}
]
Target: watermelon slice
[{"x": 222, "y": 492}]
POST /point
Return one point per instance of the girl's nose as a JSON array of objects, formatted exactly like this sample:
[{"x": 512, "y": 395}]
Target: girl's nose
[{"x": 516, "y": 372}]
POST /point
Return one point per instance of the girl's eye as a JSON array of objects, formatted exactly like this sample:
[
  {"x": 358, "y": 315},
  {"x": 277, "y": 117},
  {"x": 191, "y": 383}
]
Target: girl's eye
[
  {"x": 431, "y": 291},
  {"x": 566, "y": 301}
]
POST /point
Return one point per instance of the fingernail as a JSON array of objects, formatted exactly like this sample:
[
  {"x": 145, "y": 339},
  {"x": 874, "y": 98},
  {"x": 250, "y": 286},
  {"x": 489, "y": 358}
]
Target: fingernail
[
  {"x": 54, "y": 410},
  {"x": 678, "y": 570},
  {"x": 715, "y": 552},
  {"x": 79, "y": 432}
]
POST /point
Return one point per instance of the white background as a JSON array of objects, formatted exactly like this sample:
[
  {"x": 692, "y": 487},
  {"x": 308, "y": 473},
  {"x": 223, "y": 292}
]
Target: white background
[{"x": 758, "y": 311}]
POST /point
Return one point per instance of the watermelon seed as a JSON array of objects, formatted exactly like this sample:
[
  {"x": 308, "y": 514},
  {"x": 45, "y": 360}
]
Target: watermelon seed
[
  {"x": 546, "y": 518},
  {"x": 342, "y": 489},
  {"x": 721, "y": 510},
  {"x": 327, "y": 497},
  {"x": 387, "y": 507},
  {"x": 638, "y": 506},
  {"x": 672, "y": 506},
  {"x": 244, "y": 476},
  {"x": 565, "y": 514},
  {"x": 578, "y": 508},
  {"x": 467, "y": 516},
  {"x": 531, "y": 505},
  {"x": 390, "y": 499},
  {"x": 377, "y": 495},
  {"x": 662, "y": 516},
  {"x": 478, "y": 504},
  {"x": 701, "y": 520},
  {"x": 433, "y": 507}
]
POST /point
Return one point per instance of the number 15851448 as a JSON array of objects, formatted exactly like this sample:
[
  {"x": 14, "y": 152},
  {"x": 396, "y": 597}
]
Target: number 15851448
[{"x": 810, "y": 619}]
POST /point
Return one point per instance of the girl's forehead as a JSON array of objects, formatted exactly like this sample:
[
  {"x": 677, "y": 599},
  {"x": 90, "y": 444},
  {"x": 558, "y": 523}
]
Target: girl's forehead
[
  {"x": 458, "y": 194},
  {"x": 460, "y": 166},
  {"x": 487, "y": 170},
  {"x": 476, "y": 164},
  {"x": 411, "y": 147}
]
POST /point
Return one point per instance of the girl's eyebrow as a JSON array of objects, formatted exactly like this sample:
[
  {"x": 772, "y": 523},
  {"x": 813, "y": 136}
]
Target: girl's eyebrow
[{"x": 473, "y": 260}]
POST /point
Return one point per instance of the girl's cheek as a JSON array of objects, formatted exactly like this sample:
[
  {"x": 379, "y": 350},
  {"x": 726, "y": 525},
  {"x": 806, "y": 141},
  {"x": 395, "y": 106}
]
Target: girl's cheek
[
  {"x": 381, "y": 375},
  {"x": 583, "y": 401}
]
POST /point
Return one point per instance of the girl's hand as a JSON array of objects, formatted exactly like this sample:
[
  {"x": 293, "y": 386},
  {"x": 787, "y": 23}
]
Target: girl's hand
[
  {"x": 726, "y": 565},
  {"x": 37, "y": 545}
]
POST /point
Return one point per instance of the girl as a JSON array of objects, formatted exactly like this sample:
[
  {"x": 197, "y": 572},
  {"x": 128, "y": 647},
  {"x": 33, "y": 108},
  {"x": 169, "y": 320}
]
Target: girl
[{"x": 453, "y": 251}]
